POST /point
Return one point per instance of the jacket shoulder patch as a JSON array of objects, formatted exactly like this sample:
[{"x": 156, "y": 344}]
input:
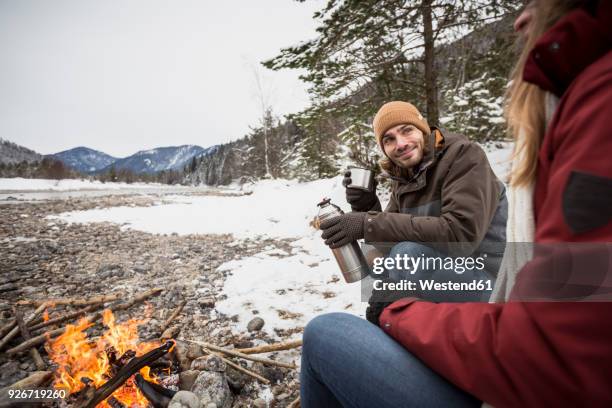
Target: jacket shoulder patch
[{"x": 587, "y": 201}]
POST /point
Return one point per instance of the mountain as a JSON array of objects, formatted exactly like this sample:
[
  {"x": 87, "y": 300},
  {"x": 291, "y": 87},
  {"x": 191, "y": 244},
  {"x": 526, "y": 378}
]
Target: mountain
[
  {"x": 161, "y": 158},
  {"x": 84, "y": 159},
  {"x": 11, "y": 153}
]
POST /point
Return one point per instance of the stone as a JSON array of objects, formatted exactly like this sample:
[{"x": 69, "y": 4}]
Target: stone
[
  {"x": 206, "y": 302},
  {"x": 274, "y": 374},
  {"x": 209, "y": 363},
  {"x": 184, "y": 399},
  {"x": 260, "y": 403},
  {"x": 236, "y": 380},
  {"x": 180, "y": 353},
  {"x": 282, "y": 397},
  {"x": 194, "y": 351},
  {"x": 255, "y": 324},
  {"x": 140, "y": 268},
  {"x": 187, "y": 378},
  {"x": 212, "y": 387}
]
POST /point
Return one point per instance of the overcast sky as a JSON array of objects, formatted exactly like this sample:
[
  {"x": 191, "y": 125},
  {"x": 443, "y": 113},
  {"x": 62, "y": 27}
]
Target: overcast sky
[{"x": 126, "y": 75}]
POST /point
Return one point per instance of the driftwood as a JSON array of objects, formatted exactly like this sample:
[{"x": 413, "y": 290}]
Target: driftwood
[
  {"x": 63, "y": 318},
  {"x": 7, "y": 327},
  {"x": 36, "y": 379},
  {"x": 13, "y": 323},
  {"x": 34, "y": 341},
  {"x": 123, "y": 375},
  {"x": 267, "y": 348},
  {"x": 15, "y": 330},
  {"x": 74, "y": 302},
  {"x": 239, "y": 367},
  {"x": 170, "y": 333},
  {"x": 234, "y": 353},
  {"x": 25, "y": 333},
  {"x": 157, "y": 395},
  {"x": 173, "y": 316}
]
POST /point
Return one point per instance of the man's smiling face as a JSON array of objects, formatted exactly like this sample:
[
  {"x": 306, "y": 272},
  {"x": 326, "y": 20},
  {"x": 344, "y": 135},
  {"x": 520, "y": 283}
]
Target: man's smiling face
[{"x": 404, "y": 145}]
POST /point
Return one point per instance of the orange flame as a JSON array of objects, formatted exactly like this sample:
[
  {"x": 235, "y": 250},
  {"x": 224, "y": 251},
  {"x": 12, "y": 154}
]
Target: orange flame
[{"x": 78, "y": 357}]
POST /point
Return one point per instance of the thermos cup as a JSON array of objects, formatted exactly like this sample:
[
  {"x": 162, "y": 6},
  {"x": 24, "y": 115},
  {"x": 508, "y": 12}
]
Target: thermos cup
[{"x": 361, "y": 178}]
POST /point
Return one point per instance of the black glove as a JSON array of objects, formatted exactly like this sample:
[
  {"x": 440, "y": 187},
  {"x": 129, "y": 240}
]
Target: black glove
[
  {"x": 380, "y": 299},
  {"x": 361, "y": 200},
  {"x": 343, "y": 229},
  {"x": 374, "y": 311}
]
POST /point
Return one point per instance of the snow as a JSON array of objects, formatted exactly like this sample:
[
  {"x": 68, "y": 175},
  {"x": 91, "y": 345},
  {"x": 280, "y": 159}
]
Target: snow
[
  {"x": 276, "y": 208},
  {"x": 287, "y": 292},
  {"x": 23, "y": 184},
  {"x": 286, "y": 288}
]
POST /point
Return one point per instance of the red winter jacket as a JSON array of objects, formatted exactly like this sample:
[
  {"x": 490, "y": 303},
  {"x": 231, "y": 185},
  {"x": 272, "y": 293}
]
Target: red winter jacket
[{"x": 539, "y": 354}]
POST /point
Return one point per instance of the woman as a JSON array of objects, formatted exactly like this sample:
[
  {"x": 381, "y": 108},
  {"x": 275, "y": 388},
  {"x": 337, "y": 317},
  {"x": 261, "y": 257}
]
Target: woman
[{"x": 515, "y": 353}]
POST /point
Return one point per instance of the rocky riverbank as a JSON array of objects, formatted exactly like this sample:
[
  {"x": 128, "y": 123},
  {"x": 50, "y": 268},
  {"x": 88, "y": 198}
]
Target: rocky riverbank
[{"x": 43, "y": 259}]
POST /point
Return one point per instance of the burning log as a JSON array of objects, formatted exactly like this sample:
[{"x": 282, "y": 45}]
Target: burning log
[
  {"x": 15, "y": 329},
  {"x": 114, "y": 403},
  {"x": 35, "y": 341},
  {"x": 158, "y": 396},
  {"x": 124, "y": 374},
  {"x": 25, "y": 333}
]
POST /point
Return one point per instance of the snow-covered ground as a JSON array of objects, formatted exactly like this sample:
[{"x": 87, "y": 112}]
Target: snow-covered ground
[
  {"x": 23, "y": 184},
  {"x": 285, "y": 288}
]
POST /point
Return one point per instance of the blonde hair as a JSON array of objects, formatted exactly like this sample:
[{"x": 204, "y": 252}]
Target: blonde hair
[{"x": 525, "y": 103}]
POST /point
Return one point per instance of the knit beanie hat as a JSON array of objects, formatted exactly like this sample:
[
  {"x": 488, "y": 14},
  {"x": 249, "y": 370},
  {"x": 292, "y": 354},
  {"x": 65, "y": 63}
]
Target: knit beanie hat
[{"x": 396, "y": 113}]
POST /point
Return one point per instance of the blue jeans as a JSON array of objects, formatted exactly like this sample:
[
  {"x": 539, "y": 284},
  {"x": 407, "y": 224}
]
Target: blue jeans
[
  {"x": 417, "y": 250},
  {"x": 349, "y": 362}
]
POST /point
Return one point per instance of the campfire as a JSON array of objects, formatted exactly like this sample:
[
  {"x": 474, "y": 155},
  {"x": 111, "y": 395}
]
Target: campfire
[
  {"x": 116, "y": 369},
  {"x": 88, "y": 369}
]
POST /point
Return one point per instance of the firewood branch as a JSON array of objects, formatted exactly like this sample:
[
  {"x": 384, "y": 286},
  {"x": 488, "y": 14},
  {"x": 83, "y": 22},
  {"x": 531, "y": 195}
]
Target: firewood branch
[
  {"x": 34, "y": 341},
  {"x": 267, "y": 348},
  {"x": 173, "y": 316},
  {"x": 15, "y": 330},
  {"x": 74, "y": 302},
  {"x": 234, "y": 353},
  {"x": 25, "y": 333}
]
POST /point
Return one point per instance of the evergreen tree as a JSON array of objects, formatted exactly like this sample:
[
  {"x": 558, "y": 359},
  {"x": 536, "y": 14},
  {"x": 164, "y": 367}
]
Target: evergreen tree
[
  {"x": 360, "y": 139},
  {"x": 389, "y": 45},
  {"x": 475, "y": 112}
]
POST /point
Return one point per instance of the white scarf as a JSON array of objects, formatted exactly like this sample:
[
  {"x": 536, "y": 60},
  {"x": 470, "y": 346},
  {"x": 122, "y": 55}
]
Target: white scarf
[{"x": 521, "y": 224}]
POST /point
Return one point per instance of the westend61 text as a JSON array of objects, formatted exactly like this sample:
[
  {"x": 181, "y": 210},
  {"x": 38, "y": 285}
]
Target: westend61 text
[
  {"x": 429, "y": 284},
  {"x": 427, "y": 263}
]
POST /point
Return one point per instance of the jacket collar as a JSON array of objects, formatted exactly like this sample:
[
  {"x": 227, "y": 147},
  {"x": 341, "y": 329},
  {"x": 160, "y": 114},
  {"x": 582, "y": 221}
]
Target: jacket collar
[{"x": 576, "y": 41}]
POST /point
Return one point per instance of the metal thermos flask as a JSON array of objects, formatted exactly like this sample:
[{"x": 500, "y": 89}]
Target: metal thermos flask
[{"x": 350, "y": 258}]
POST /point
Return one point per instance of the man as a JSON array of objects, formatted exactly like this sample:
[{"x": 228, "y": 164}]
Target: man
[{"x": 444, "y": 193}]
